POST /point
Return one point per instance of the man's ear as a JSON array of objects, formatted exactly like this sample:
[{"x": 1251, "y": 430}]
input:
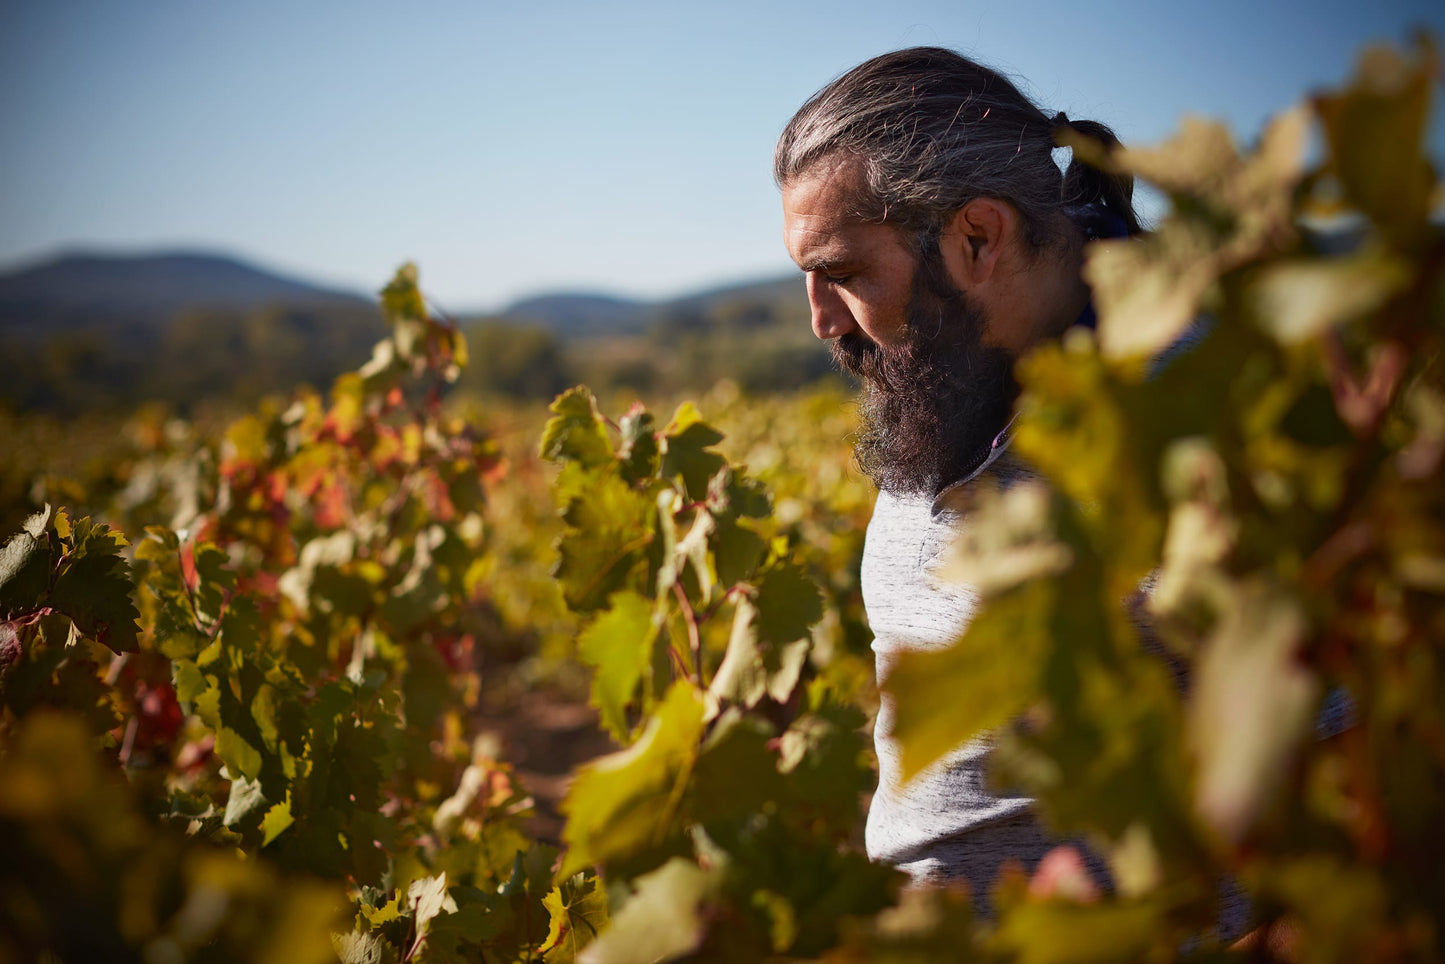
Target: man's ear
[{"x": 975, "y": 238}]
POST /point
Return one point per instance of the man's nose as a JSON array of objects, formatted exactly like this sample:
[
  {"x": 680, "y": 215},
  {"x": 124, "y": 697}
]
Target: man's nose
[{"x": 831, "y": 317}]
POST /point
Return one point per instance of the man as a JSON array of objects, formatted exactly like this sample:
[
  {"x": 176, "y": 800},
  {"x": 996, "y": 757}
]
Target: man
[{"x": 940, "y": 240}]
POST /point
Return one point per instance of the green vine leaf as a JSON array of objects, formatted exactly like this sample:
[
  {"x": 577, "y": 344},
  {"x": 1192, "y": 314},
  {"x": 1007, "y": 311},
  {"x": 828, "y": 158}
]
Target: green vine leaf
[
  {"x": 662, "y": 921},
  {"x": 578, "y": 909},
  {"x": 627, "y": 802},
  {"x": 576, "y": 433},
  {"x": 619, "y": 646}
]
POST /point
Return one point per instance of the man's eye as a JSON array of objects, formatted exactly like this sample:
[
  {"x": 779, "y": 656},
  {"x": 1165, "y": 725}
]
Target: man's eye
[{"x": 837, "y": 279}]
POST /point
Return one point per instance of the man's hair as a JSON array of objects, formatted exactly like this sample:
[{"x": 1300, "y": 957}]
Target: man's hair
[{"x": 934, "y": 130}]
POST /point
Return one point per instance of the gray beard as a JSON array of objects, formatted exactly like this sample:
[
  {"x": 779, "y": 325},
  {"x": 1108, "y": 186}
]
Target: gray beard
[{"x": 930, "y": 408}]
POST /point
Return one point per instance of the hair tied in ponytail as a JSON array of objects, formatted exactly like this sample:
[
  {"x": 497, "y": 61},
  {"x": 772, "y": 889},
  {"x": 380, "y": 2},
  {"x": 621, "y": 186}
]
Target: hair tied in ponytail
[{"x": 1062, "y": 155}]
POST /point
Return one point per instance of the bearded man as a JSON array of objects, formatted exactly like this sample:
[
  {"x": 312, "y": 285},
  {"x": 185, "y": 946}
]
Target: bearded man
[{"x": 940, "y": 241}]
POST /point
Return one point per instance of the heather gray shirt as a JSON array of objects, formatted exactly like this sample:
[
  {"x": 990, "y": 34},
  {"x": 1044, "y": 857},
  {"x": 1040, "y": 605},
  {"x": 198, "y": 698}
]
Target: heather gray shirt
[{"x": 945, "y": 824}]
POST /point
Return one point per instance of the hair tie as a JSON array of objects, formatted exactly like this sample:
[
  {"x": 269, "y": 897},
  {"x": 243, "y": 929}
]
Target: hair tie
[{"x": 1061, "y": 119}]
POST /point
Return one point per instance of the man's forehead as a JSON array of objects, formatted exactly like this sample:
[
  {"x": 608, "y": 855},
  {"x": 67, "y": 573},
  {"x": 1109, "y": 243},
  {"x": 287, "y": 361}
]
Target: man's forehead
[
  {"x": 822, "y": 224},
  {"x": 828, "y": 192}
]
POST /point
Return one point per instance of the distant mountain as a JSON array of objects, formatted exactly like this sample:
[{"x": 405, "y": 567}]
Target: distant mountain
[
  {"x": 787, "y": 290},
  {"x": 141, "y": 291},
  {"x": 90, "y": 332},
  {"x": 583, "y": 314},
  {"x": 85, "y": 288}
]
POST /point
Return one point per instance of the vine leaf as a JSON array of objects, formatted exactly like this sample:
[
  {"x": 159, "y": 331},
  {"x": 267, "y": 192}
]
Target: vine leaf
[
  {"x": 25, "y": 565},
  {"x": 688, "y": 439},
  {"x": 638, "y": 450},
  {"x": 751, "y": 670},
  {"x": 627, "y": 801},
  {"x": 576, "y": 433},
  {"x": 1251, "y": 708},
  {"x": 1301, "y": 298},
  {"x": 737, "y": 770},
  {"x": 1148, "y": 290},
  {"x": 769, "y": 642},
  {"x": 246, "y": 798},
  {"x": 619, "y": 644},
  {"x": 1376, "y": 129},
  {"x": 277, "y": 819},
  {"x": 611, "y": 527},
  {"x": 737, "y": 550},
  {"x": 358, "y": 948},
  {"x": 238, "y": 753},
  {"x": 662, "y": 921},
  {"x": 788, "y": 604},
  {"x": 947, "y": 697},
  {"x": 578, "y": 909},
  {"x": 428, "y": 899},
  {"x": 89, "y": 582},
  {"x": 95, "y": 589}
]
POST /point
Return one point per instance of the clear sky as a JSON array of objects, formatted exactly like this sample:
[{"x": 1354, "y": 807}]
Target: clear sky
[{"x": 511, "y": 148}]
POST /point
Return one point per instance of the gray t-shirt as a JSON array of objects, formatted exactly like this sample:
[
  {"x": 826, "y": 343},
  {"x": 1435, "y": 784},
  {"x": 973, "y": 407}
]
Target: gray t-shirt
[{"x": 945, "y": 825}]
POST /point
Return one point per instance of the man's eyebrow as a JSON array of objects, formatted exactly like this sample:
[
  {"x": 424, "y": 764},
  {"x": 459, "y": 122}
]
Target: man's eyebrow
[{"x": 824, "y": 261}]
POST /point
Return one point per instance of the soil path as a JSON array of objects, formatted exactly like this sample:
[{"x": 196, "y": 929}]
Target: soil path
[{"x": 545, "y": 736}]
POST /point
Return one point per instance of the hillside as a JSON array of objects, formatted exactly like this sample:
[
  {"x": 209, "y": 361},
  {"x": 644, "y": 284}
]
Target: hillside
[
  {"x": 83, "y": 288},
  {"x": 598, "y": 315},
  {"x": 755, "y": 333},
  {"x": 579, "y": 314},
  {"x": 94, "y": 331}
]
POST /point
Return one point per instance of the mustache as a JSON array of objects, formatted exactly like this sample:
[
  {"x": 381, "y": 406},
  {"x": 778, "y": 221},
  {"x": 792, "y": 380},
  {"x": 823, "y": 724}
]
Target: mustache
[
  {"x": 855, "y": 354},
  {"x": 887, "y": 369},
  {"x": 915, "y": 370}
]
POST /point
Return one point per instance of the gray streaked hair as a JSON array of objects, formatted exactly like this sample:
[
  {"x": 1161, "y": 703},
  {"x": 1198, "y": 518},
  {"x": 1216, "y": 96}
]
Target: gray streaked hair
[{"x": 934, "y": 130}]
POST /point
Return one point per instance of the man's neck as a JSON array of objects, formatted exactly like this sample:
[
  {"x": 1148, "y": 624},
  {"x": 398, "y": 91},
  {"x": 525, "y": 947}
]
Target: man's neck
[{"x": 1039, "y": 296}]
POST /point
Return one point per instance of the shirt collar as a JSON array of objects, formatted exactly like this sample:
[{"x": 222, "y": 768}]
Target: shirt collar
[{"x": 990, "y": 455}]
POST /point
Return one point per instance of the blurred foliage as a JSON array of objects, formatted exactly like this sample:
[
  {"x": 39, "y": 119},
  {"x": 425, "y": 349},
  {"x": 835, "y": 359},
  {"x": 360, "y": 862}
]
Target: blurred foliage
[
  {"x": 88, "y": 877},
  {"x": 1271, "y": 501}
]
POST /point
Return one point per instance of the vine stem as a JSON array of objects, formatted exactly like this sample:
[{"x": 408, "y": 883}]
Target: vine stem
[
  {"x": 112, "y": 672},
  {"x": 694, "y": 637},
  {"x": 190, "y": 593},
  {"x": 413, "y": 934},
  {"x": 128, "y": 742},
  {"x": 31, "y": 618},
  {"x": 730, "y": 596},
  {"x": 1363, "y": 401},
  {"x": 676, "y": 659}
]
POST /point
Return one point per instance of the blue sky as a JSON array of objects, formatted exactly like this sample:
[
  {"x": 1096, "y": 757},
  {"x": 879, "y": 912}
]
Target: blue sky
[{"x": 514, "y": 148}]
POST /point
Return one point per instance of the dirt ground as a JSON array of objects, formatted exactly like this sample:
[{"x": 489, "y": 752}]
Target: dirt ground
[{"x": 545, "y": 734}]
